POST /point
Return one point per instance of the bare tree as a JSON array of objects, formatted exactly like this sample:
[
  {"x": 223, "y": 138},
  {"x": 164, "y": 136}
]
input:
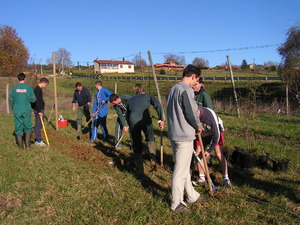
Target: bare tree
[
  {"x": 138, "y": 61},
  {"x": 289, "y": 69},
  {"x": 13, "y": 53},
  {"x": 271, "y": 63},
  {"x": 202, "y": 63},
  {"x": 179, "y": 59},
  {"x": 63, "y": 59}
]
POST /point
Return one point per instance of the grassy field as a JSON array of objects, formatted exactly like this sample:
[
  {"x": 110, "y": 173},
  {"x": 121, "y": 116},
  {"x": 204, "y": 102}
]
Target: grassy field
[{"x": 76, "y": 182}]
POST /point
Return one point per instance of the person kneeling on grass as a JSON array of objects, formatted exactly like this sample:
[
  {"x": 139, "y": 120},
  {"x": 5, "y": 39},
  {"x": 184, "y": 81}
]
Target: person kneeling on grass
[{"x": 213, "y": 136}]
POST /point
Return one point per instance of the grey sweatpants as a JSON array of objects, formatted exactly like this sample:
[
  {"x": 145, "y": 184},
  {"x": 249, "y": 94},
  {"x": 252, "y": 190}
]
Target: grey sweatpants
[{"x": 181, "y": 181}]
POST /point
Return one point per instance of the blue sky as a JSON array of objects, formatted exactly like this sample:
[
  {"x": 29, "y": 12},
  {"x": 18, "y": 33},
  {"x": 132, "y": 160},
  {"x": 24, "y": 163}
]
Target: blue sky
[{"x": 93, "y": 29}]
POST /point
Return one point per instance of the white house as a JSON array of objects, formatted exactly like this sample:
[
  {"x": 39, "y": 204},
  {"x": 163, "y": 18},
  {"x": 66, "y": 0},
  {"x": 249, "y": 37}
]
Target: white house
[{"x": 112, "y": 66}]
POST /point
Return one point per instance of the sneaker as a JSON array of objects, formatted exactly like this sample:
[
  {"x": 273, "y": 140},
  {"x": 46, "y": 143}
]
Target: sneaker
[
  {"x": 181, "y": 208},
  {"x": 227, "y": 183},
  {"x": 198, "y": 182},
  {"x": 200, "y": 199},
  {"x": 40, "y": 143}
]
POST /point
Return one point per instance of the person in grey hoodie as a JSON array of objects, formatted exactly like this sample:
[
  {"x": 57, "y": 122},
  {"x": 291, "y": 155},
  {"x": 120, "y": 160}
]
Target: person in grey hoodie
[{"x": 183, "y": 123}]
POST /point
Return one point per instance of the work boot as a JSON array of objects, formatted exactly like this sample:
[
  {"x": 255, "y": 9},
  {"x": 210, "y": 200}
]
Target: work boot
[
  {"x": 20, "y": 141},
  {"x": 28, "y": 140},
  {"x": 139, "y": 163},
  {"x": 152, "y": 151}
]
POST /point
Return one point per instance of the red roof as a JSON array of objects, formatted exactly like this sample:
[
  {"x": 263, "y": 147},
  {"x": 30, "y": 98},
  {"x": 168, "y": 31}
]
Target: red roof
[{"x": 113, "y": 62}]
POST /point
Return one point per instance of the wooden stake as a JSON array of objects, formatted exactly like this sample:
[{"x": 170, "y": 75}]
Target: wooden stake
[
  {"x": 7, "y": 98},
  {"x": 163, "y": 114},
  {"x": 116, "y": 88},
  {"x": 287, "y": 99},
  {"x": 48, "y": 122},
  {"x": 55, "y": 91},
  {"x": 233, "y": 86}
]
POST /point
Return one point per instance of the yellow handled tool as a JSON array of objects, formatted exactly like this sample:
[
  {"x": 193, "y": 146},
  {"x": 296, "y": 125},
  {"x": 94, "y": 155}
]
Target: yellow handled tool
[{"x": 41, "y": 118}]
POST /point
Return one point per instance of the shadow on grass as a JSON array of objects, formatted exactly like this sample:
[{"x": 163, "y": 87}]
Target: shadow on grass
[
  {"x": 127, "y": 164},
  {"x": 246, "y": 177}
]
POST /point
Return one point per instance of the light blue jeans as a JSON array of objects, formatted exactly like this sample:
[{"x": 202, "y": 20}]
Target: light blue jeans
[{"x": 181, "y": 181}]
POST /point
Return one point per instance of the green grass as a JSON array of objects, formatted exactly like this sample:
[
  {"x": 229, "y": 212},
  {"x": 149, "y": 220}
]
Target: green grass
[{"x": 48, "y": 186}]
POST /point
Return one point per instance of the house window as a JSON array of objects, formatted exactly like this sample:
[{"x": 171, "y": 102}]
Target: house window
[
  {"x": 121, "y": 66},
  {"x": 129, "y": 66}
]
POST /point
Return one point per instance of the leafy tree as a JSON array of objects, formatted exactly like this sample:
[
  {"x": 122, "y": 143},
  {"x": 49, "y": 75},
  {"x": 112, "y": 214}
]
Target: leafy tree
[
  {"x": 138, "y": 61},
  {"x": 13, "y": 53},
  {"x": 63, "y": 59},
  {"x": 289, "y": 70},
  {"x": 202, "y": 63},
  {"x": 244, "y": 65},
  {"x": 179, "y": 59}
]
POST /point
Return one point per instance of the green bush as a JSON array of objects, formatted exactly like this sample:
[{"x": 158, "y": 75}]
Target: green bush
[{"x": 162, "y": 72}]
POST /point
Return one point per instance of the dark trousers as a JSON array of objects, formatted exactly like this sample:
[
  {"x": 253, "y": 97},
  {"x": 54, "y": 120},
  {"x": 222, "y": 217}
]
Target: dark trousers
[
  {"x": 38, "y": 125},
  {"x": 96, "y": 122},
  {"x": 136, "y": 135},
  {"x": 82, "y": 111}
]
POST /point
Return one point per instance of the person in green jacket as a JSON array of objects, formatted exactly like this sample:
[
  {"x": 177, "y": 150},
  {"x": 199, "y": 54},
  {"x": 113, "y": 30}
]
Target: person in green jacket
[
  {"x": 202, "y": 98},
  {"x": 139, "y": 119},
  {"x": 20, "y": 99},
  {"x": 120, "y": 105}
]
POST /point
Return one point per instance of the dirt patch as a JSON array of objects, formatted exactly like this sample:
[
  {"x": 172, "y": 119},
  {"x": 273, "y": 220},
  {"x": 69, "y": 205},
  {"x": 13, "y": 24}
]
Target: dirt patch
[
  {"x": 8, "y": 203},
  {"x": 81, "y": 149}
]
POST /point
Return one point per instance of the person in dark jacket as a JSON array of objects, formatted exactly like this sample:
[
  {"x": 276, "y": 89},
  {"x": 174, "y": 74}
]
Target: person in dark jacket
[
  {"x": 120, "y": 105},
  {"x": 83, "y": 97},
  {"x": 139, "y": 119},
  {"x": 38, "y": 109},
  {"x": 20, "y": 97}
]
